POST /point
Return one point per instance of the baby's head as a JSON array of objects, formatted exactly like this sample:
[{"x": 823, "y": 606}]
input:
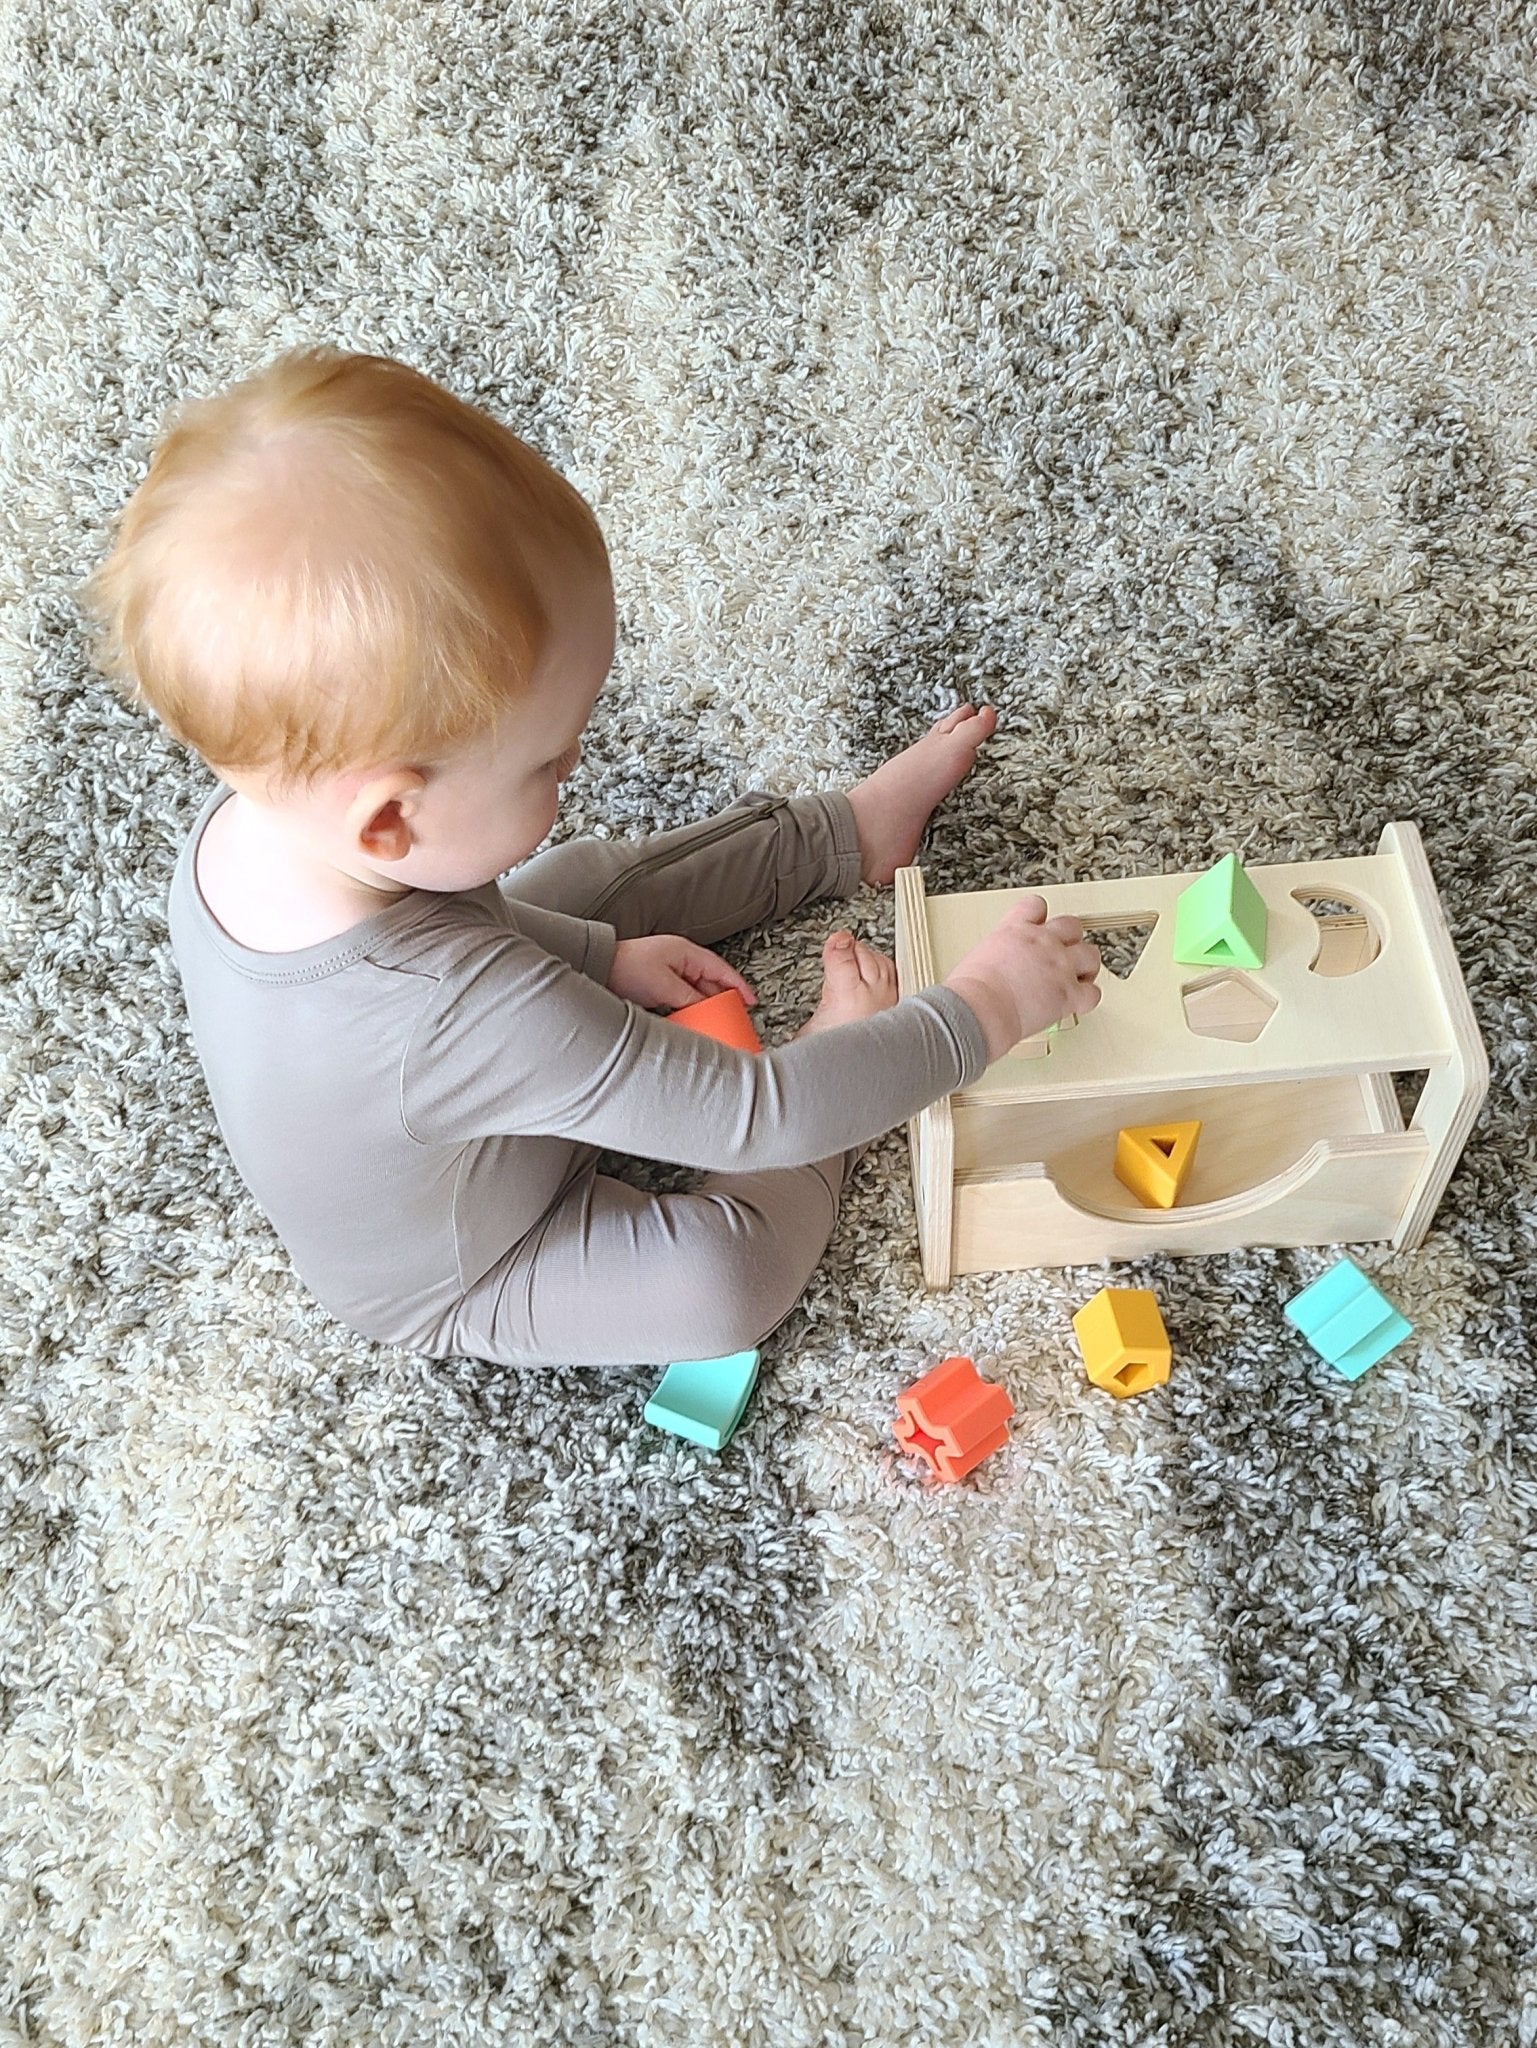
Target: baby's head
[{"x": 370, "y": 608}]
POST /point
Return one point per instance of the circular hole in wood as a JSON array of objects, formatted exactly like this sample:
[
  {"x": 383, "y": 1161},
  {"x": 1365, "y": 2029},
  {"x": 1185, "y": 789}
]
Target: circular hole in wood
[{"x": 1348, "y": 938}]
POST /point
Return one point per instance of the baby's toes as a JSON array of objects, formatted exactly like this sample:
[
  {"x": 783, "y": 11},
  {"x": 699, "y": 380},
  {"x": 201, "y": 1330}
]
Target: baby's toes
[{"x": 875, "y": 968}]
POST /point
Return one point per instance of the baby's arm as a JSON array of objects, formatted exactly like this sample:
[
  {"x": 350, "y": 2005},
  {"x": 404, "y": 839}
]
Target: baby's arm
[
  {"x": 513, "y": 1041},
  {"x": 582, "y": 942}
]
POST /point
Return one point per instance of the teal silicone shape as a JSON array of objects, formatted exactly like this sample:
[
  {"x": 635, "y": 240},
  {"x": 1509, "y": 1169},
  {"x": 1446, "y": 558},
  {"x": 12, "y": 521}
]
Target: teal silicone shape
[
  {"x": 1348, "y": 1322},
  {"x": 1221, "y": 920},
  {"x": 703, "y": 1398}
]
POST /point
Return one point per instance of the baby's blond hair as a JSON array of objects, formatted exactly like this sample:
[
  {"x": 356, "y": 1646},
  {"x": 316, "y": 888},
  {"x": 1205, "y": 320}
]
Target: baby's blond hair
[{"x": 322, "y": 570}]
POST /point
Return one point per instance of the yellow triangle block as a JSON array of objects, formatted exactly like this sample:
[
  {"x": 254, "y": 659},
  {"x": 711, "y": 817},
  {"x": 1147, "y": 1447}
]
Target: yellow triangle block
[{"x": 1153, "y": 1160}]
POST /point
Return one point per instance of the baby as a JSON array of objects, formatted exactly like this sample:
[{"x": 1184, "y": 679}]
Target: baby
[{"x": 382, "y": 621}]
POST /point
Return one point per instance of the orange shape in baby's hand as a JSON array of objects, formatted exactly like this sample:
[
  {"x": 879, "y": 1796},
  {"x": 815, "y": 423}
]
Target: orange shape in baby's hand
[{"x": 724, "y": 1017}]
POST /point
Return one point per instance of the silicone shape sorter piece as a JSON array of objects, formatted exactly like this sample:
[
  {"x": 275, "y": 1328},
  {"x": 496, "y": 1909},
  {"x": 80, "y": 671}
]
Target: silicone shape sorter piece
[
  {"x": 724, "y": 1017},
  {"x": 1221, "y": 920},
  {"x": 1125, "y": 1346},
  {"x": 703, "y": 1398},
  {"x": 1348, "y": 1322},
  {"x": 1154, "y": 1161},
  {"x": 953, "y": 1418}
]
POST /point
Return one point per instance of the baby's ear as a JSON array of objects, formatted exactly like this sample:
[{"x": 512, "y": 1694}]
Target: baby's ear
[
  {"x": 386, "y": 835},
  {"x": 381, "y": 813}
]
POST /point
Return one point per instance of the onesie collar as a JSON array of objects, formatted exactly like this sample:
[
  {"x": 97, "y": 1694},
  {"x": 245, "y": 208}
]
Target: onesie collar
[{"x": 304, "y": 963}]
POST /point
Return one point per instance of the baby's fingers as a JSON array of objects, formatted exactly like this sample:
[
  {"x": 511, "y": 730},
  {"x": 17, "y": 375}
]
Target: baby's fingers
[
  {"x": 707, "y": 970},
  {"x": 1028, "y": 910}
]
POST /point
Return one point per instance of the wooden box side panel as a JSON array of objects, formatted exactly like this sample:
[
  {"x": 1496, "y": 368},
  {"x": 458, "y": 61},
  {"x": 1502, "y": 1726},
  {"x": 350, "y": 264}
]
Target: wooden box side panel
[
  {"x": 1455, "y": 1092},
  {"x": 1351, "y": 1192}
]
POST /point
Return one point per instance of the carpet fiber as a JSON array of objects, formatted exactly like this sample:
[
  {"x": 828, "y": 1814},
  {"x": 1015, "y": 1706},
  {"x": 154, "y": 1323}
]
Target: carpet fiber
[{"x": 1161, "y": 373}]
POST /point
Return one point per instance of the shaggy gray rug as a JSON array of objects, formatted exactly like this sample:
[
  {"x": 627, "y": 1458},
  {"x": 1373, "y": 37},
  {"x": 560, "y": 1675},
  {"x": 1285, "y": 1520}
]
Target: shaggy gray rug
[{"x": 1163, "y": 373}]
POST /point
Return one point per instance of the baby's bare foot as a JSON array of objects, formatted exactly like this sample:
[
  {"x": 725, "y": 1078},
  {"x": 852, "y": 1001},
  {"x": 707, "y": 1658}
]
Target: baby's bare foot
[
  {"x": 892, "y": 806},
  {"x": 856, "y": 982}
]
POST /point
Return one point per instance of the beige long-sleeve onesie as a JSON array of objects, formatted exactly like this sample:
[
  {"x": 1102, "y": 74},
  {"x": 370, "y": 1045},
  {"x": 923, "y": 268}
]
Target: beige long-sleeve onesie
[{"x": 418, "y": 1104}]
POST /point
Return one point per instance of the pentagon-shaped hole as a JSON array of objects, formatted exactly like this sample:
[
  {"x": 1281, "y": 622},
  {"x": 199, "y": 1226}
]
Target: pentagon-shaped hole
[
  {"x": 1348, "y": 940},
  {"x": 1227, "y": 1005},
  {"x": 1121, "y": 940},
  {"x": 1137, "y": 1375}
]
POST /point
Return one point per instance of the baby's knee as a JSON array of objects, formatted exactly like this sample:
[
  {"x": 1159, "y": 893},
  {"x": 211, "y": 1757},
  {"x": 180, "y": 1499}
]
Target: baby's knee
[
  {"x": 739, "y": 1292},
  {"x": 733, "y": 1317}
]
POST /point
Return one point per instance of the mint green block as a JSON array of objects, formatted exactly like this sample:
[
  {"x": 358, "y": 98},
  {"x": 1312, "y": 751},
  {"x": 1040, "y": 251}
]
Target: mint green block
[
  {"x": 1348, "y": 1322},
  {"x": 703, "y": 1398},
  {"x": 1221, "y": 920}
]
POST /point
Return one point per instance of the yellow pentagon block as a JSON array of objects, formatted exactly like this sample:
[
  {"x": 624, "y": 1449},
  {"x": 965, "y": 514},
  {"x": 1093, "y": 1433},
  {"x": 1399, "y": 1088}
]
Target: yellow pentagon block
[
  {"x": 1125, "y": 1346},
  {"x": 1154, "y": 1161}
]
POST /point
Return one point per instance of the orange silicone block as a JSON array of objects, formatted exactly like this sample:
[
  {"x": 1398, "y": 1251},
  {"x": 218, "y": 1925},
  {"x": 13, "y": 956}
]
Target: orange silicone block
[
  {"x": 724, "y": 1017},
  {"x": 953, "y": 1418}
]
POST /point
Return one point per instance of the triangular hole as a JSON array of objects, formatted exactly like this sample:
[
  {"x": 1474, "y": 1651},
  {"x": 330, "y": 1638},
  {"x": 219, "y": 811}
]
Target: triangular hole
[
  {"x": 1121, "y": 940},
  {"x": 1165, "y": 1146},
  {"x": 1219, "y": 949}
]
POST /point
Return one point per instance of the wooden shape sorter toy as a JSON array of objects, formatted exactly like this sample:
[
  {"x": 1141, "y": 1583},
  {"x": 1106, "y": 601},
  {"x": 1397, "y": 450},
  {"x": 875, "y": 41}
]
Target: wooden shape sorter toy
[{"x": 1288, "y": 1068}]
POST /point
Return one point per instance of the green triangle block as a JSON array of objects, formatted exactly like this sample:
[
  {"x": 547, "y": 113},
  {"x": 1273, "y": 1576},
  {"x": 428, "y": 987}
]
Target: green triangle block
[
  {"x": 703, "y": 1398},
  {"x": 1220, "y": 920}
]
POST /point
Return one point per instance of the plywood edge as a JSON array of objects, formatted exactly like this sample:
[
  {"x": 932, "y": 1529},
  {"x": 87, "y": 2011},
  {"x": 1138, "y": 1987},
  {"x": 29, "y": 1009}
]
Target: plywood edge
[
  {"x": 931, "y": 1133},
  {"x": 1381, "y": 1101},
  {"x": 1453, "y": 1096},
  {"x": 1402, "y": 839},
  {"x": 1085, "y": 1088}
]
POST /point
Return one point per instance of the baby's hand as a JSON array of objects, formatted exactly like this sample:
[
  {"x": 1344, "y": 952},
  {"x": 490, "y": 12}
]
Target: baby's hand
[
  {"x": 665, "y": 972},
  {"x": 1030, "y": 971}
]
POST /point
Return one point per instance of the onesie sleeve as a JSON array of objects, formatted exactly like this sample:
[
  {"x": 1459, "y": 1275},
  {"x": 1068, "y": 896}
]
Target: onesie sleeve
[
  {"x": 582, "y": 942},
  {"x": 515, "y": 1042}
]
